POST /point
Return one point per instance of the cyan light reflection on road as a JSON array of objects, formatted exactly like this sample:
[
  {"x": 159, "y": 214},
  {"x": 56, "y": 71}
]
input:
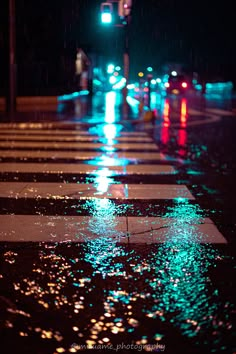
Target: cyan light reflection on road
[
  {"x": 110, "y": 104},
  {"x": 102, "y": 180},
  {"x": 102, "y": 248},
  {"x": 183, "y": 289},
  {"x": 108, "y": 159},
  {"x": 109, "y": 131}
]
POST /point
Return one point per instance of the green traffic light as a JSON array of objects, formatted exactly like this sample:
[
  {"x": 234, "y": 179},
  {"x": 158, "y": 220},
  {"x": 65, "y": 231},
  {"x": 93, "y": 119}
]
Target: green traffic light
[
  {"x": 106, "y": 12},
  {"x": 106, "y": 17}
]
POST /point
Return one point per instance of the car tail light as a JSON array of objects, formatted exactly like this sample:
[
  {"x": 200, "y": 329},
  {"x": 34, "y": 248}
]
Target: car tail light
[{"x": 184, "y": 84}]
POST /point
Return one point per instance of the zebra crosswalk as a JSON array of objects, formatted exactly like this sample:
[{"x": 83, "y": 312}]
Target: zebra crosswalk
[{"x": 39, "y": 203}]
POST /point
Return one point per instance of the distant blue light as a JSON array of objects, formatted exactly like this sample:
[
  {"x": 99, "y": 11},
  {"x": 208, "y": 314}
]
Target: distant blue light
[
  {"x": 73, "y": 95},
  {"x": 110, "y": 68},
  {"x": 112, "y": 79}
]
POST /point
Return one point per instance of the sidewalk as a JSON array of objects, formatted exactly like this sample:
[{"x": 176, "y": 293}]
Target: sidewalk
[
  {"x": 74, "y": 106},
  {"x": 78, "y": 107}
]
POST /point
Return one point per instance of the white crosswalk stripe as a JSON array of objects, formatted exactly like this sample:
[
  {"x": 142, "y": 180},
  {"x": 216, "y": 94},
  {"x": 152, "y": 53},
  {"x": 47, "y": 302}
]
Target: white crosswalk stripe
[
  {"x": 20, "y": 145},
  {"x": 70, "y": 137},
  {"x": 90, "y": 191},
  {"x": 72, "y": 168},
  {"x": 108, "y": 157},
  {"x": 80, "y": 228},
  {"x": 69, "y": 145}
]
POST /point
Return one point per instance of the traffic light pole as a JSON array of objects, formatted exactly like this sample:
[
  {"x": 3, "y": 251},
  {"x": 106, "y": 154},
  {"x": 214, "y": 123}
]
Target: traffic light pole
[
  {"x": 11, "y": 98},
  {"x": 124, "y": 9},
  {"x": 126, "y": 67}
]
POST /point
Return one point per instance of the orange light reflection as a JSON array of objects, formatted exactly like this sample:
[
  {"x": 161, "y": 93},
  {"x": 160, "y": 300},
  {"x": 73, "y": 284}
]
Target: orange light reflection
[
  {"x": 182, "y": 139},
  {"x": 183, "y": 113}
]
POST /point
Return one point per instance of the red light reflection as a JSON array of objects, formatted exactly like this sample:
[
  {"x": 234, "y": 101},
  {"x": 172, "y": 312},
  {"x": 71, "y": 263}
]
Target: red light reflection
[
  {"x": 166, "y": 122},
  {"x": 183, "y": 113},
  {"x": 182, "y": 138},
  {"x": 166, "y": 113}
]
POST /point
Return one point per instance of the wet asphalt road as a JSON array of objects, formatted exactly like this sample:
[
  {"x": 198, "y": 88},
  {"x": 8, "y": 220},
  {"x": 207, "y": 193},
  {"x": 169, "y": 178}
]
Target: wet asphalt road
[{"x": 122, "y": 293}]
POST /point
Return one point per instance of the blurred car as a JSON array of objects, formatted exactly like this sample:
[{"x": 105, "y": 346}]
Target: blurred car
[{"x": 176, "y": 84}]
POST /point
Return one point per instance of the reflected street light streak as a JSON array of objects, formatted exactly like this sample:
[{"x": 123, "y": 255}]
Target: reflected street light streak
[
  {"x": 101, "y": 248},
  {"x": 110, "y": 101},
  {"x": 183, "y": 113},
  {"x": 102, "y": 181},
  {"x": 181, "y": 283},
  {"x": 182, "y": 139},
  {"x": 182, "y": 132},
  {"x": 110, "y": 131},
  {"x": 166, "y": 122}
]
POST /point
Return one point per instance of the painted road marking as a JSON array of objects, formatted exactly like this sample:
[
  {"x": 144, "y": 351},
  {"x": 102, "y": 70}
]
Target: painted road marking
[
  {"x": 32, "y": 129},
  {"x": 42, "y": 137},
  {"x": 177, "y": 230},
  {"x": 60, "y": 168},
  {"x": 111, "y": 157},
  {"x": 93, "y": 191},
  {"x": 68, "y": 145},
  {"x": 39, "y": 228},
  {"x": 81, "y": 229}
]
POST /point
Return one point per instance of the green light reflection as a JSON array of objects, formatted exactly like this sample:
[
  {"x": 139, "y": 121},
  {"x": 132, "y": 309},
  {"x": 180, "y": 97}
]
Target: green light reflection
[
  {"x": 110, "y": 103},
  {"x": 109, "y": 159},
  {"x": 102, "y": 180},
  {"x": 181, "y": 283},
  {"x": 101, "y": 248}
]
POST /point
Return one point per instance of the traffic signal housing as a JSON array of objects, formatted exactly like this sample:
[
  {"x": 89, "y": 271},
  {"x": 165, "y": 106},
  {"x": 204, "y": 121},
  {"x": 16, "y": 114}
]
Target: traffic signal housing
[{"x": 106, "y": 12}]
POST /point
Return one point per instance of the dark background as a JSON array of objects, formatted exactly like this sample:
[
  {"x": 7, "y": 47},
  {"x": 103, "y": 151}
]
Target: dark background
[{"x": 199, "y": 35}]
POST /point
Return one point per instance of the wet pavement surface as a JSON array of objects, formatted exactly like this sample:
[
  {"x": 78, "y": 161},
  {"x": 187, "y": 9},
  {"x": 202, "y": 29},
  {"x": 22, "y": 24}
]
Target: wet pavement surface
[{"x": 124, "y": 243}]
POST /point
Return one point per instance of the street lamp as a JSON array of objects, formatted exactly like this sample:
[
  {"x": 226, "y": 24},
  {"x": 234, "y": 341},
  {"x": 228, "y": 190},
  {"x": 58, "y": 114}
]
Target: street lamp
[{"x": 106, "y": 13}]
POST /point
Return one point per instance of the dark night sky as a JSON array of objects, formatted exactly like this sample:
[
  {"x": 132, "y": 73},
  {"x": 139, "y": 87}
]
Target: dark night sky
[{"x": 199, "y": 34}]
